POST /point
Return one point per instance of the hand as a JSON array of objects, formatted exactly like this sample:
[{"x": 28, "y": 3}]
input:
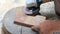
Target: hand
[{"x": 47, "y": 27}]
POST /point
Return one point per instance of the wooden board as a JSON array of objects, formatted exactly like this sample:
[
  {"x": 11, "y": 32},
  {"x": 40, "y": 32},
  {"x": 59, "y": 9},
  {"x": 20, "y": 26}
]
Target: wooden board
[{"x": 28, "y": 20}]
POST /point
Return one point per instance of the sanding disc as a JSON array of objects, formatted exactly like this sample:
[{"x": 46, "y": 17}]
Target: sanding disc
[{"x": 10, "y": 28}]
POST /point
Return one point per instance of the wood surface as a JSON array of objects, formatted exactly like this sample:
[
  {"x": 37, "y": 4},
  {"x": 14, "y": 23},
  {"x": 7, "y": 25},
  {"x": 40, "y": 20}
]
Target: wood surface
[{"x": 27, "y": 20}]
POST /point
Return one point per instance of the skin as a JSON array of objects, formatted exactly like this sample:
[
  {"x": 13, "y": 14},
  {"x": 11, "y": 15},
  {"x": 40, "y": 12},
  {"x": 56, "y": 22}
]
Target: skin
[{"x": 47, "y": 27}]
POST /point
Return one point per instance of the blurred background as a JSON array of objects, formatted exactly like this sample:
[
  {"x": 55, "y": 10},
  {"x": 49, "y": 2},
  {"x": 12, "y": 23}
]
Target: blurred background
[{"x": 5, "y": 5}]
